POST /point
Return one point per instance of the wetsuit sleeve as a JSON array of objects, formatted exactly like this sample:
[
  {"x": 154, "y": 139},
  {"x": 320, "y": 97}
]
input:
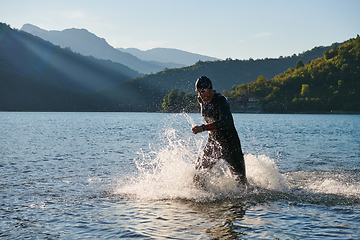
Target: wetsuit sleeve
[{"x": 224, "y": 113}]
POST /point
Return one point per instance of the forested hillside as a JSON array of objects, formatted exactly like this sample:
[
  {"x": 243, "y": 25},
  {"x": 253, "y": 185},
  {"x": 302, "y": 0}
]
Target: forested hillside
[
  {"x": 225, "y": 74},
  {"x": 330, "y": 83},
  {"x": 146, "y": 93},
  {"x": 327, "y": 84}
]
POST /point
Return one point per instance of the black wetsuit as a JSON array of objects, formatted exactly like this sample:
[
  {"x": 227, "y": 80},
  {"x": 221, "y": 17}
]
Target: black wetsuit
[{"x": 223, "y": 141}]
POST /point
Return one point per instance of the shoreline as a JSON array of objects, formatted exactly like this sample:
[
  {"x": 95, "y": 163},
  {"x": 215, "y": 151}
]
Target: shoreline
[{"x": 336, "y": 112}]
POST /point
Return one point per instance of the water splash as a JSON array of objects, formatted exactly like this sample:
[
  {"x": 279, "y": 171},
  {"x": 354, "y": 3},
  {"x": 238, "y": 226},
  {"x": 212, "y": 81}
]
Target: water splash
[
  {"x": 262, "y": 171},
  {"x": 168, "y": 172}
]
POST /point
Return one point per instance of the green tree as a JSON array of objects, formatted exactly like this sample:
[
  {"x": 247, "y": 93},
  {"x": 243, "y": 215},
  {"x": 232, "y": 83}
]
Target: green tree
[
  {"x": 299, "y": 64},
  {"x": 305, "y": 90},
  {"x": 179, "y": 102},
  {"x": 324, "y": 84},
  {"x": 171, "y": 101},
  {"x": 357, "y": 48}
]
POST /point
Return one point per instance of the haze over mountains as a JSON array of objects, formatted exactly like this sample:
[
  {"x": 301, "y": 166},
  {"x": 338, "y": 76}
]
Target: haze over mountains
[
  {"x": 88, "y": 44},
  {"x": 34, "y": 58},
  {"x": 168, "y": 55}
]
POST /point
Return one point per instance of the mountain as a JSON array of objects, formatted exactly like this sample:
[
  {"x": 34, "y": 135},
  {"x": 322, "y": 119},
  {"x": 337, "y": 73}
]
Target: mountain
[
  {"x": 88, "y": 44},
  {"x": 168, "y": 55},
  {"x": 38, "y": 63},
  {"x": 34, "y": 58}
]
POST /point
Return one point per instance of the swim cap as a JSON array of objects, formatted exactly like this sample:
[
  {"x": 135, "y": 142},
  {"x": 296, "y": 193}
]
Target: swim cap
[{"x": 203, "y": 83}]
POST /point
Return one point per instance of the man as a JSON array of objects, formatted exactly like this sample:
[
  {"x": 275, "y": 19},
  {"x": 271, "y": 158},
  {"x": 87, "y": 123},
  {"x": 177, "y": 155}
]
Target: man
[{"x": 223, "y": 141}]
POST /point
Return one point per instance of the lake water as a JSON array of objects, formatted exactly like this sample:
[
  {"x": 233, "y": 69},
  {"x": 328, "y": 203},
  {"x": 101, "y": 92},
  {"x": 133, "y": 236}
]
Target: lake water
[{"x": 129, "y": 175}]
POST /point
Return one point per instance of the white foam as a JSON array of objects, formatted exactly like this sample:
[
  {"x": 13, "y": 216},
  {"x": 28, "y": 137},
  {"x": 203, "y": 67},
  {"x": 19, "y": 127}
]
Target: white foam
[{"x": 332, "y": 186}]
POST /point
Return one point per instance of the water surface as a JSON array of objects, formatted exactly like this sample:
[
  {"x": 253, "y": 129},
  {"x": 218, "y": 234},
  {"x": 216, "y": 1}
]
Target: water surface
[{"x": 129, "y": 175}]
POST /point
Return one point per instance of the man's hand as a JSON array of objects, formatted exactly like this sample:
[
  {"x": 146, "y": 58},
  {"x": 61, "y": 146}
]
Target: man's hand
[{"x": 197, "y": 129}]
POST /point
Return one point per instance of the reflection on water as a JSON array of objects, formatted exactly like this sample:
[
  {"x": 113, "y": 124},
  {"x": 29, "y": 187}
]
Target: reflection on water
[
  {"x": 191, "y": 220},
  {"x": 225, "y": 218}
]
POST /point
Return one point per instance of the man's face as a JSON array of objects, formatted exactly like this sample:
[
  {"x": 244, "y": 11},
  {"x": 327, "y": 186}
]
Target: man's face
[{"x": 205, "y": 94}]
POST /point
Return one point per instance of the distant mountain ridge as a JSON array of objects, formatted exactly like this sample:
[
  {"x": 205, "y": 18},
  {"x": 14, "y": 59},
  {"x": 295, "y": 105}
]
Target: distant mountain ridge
[
  {"x": 88, "y": 44},
  {"x": 168, "y": 55}
]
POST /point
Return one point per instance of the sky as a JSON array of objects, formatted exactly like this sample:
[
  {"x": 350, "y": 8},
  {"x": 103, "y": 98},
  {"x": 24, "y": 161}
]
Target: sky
[{"x": 237, "y": 29}]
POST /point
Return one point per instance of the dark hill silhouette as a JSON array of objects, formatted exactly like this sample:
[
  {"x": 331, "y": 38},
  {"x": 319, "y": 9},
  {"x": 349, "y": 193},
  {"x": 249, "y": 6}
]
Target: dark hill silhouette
[
  {"x": 37, "y": 59},
  {"x": 19, "y": 93}
]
